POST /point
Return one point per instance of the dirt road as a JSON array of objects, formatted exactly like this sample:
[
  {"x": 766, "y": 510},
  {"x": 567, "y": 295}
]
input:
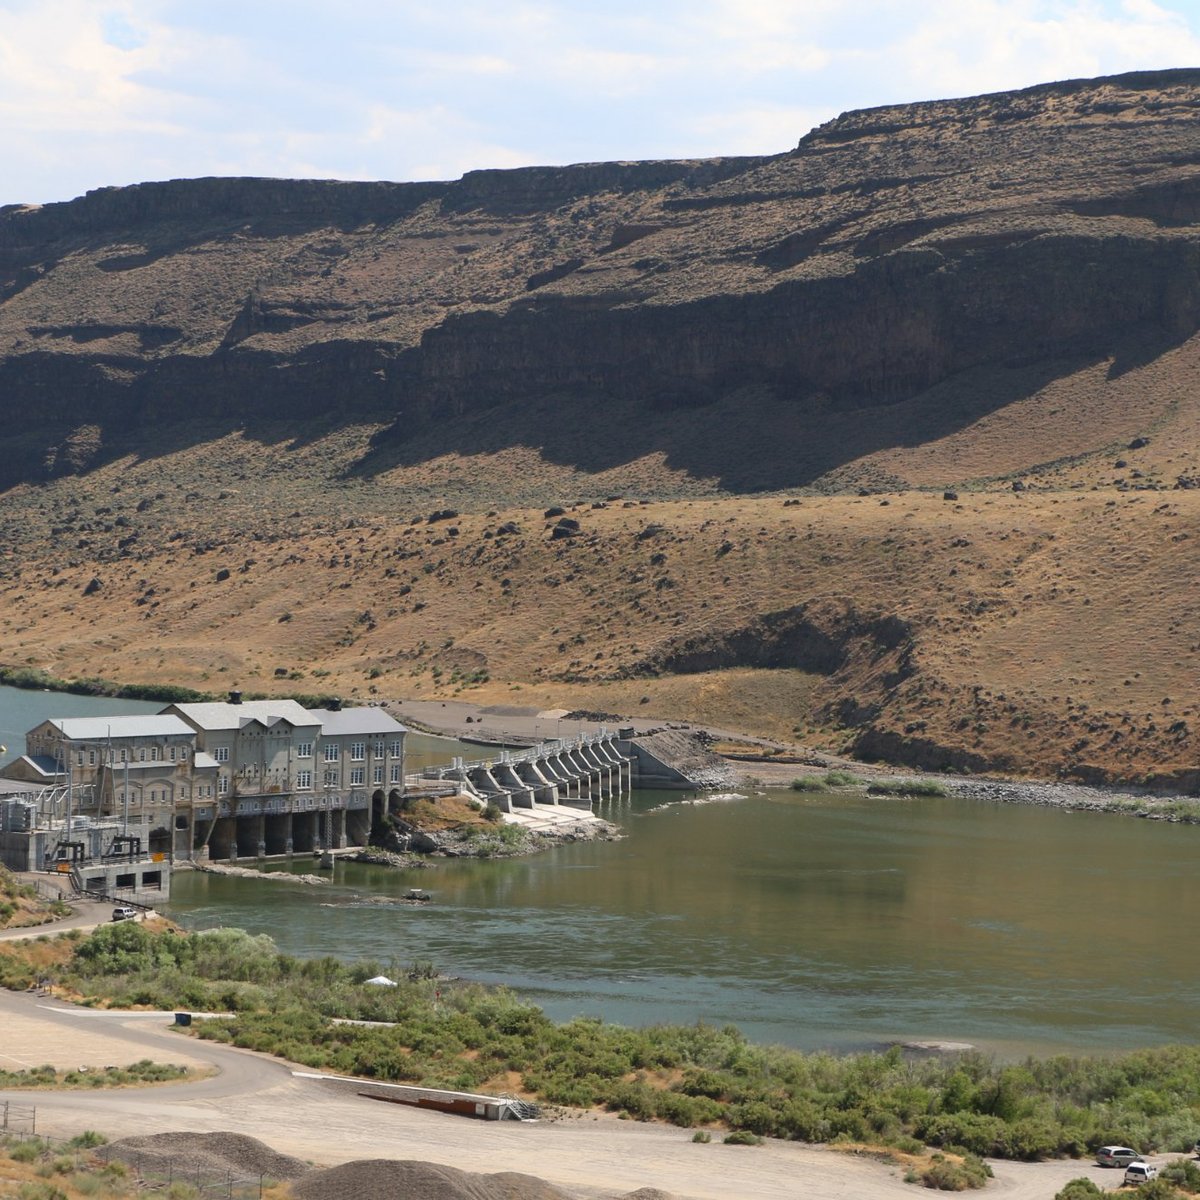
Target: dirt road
[{"x": 593, "y": 1157}]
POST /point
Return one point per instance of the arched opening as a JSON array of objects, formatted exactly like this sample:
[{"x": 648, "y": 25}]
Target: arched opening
[
  {"x": 160, "y": 840},
  {"x": 381, "y": 825}
]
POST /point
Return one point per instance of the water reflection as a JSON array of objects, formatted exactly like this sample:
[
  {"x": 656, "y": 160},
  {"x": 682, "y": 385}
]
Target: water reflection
[{"x": 820, "y": 922}]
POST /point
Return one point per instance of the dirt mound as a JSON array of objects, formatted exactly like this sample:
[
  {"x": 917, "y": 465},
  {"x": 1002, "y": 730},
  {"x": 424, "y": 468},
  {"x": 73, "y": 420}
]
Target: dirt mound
[
  {"x": 649, "y": 1193},
  {"x": 207, "y": 1155},
  {"x": 391, "y": 1179}
]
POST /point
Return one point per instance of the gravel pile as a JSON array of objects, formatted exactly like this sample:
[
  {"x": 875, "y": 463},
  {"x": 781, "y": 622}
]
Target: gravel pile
[
  {"x": 392, "y": 1179},
  {"x": 211, "y": 1156},
  {"x": 648, "y": 1193}
]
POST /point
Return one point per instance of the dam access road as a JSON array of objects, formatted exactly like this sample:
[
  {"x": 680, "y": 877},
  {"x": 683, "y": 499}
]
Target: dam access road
[{"x": 592, "y": 1156}]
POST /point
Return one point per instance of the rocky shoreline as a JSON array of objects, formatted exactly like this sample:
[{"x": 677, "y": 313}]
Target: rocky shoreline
[{"x": 1078, "y": 797}]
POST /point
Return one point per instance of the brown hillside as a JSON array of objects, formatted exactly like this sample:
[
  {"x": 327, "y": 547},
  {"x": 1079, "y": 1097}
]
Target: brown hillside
[{"x": 787, "y": 359}]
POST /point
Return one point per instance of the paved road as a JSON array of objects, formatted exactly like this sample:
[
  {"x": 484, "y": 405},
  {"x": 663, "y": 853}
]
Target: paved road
[
  {"x": 592, "y": 1157},
  {"x": 87, "y": 915}
]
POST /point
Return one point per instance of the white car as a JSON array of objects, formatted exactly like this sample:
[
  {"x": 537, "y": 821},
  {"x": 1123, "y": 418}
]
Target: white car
[{"x": 1139, "y": 1172}]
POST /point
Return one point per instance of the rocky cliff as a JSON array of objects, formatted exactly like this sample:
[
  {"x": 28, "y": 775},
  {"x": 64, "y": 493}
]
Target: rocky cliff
[{"x": 949, "y": 256}]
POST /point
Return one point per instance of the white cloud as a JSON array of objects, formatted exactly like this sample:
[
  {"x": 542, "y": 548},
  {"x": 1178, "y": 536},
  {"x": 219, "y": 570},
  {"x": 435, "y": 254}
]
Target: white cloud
[
  {"x": 756, "y": 130},
  {"x": 102, "y": 91},
  {"x": 974, "y": 46}
]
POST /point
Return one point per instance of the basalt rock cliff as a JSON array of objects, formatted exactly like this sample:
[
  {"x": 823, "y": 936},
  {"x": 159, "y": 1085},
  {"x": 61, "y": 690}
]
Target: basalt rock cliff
[{"x": 949, "y": 257}]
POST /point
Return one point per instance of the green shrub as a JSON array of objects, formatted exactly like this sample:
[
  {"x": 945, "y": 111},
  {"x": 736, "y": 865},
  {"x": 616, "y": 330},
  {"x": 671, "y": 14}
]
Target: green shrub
[
  {"x": 742, "y": 1137},
  {"x": 1183, "y": 1173},
  {"x": 841, "y": 779},
  {"x": 946, "y": 1176},
  {"x": 40, "y": 1191},
  {"x": 89, "y": 1139},
  {"x": 907, "y": 787},
  {"x": 809, "y": 783},
  {"x": 1078, "y": 1189},
  {"x": 702, "y": 1136}
]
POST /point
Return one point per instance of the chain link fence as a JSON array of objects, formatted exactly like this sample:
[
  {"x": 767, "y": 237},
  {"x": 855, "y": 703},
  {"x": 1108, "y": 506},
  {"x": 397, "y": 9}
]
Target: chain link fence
[{"x": 20, "y": 1140}]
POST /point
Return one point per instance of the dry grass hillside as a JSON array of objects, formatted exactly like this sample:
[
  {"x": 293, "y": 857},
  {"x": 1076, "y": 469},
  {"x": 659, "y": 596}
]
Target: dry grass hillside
[{"x": 1044, "y": 630}]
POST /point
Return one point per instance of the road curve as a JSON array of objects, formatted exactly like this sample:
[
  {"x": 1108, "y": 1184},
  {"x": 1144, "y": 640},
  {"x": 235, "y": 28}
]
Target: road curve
[{"x": 591, "y": 1156}]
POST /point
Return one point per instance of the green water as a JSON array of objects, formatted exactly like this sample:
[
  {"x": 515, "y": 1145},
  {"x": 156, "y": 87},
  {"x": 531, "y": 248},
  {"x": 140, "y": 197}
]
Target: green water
[
  {"x": 828, "y": 921},
  {"x": 21, "y": 710}
]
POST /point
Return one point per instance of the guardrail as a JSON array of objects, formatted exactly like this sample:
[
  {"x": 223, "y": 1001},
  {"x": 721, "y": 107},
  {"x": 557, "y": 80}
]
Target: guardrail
[{"x": 538, "y": 750}]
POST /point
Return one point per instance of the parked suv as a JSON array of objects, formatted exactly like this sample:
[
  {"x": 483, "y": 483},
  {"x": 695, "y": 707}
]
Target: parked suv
[
  {"x": 124, "y": 912},
  {"x": 1139, "y": 1172},
  {"x": 1116, "y": 1156}
]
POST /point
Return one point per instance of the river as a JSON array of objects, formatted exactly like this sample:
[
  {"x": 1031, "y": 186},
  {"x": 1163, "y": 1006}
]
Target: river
[{"x": 819, "y": 922}]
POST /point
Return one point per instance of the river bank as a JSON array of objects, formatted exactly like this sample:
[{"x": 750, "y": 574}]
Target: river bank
[{"x": 781, "y": 763}]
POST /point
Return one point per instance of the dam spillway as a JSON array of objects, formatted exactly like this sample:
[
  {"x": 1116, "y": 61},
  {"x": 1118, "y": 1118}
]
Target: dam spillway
[{"x": 570, "y": 772}]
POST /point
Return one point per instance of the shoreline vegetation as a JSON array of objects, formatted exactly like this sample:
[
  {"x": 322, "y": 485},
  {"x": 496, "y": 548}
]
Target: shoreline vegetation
[
  {"x": 33, "y": 679},
  {"x": 949, "y": 1111}
]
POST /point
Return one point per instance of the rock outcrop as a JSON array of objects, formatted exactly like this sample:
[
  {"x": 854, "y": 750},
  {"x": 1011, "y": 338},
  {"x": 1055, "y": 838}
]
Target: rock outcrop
[{"x": 894, "y": 254}]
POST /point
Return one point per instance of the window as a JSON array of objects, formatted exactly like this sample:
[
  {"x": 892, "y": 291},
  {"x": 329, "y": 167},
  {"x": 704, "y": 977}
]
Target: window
[
  {"x": 303, "y": 780},
  {"x": 221, "y": 754},
  {"x": 358, "y": 751},
  {"x": 331, "y": 778},
  {"x": 91, "y": 758},
  {"x": 142, "y": 754},
  {"x": 124, "y": 754},
  {"x": 79, "y": 757},
  {"x": 172, "y": 753},
  {"x": 331, "y": 751},
  {"x": 357, "y": 776},
  {"x": 378, "y": 773},
  {"x": 377, "y": 749},
  {"x": 396, "y": 778},
  {"x": 304, "y": 750},
  {"x": 397, "y": 748},
  {"x": 154, "y": 754},
  {"x": 222, "y": 785}
]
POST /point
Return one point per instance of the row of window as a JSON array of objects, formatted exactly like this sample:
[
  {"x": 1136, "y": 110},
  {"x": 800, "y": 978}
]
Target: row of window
[
  {"x": 358, "y": 753},
  {"x": 155, "y": 795},
  {"x": 144, "y": 754},
  {"x": 333, "y": 750},
  {"x": 331, "y": 778}
]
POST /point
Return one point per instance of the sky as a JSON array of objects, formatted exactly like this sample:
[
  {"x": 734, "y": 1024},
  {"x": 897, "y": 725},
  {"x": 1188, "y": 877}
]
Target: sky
[{"x": 96, "y": 93}]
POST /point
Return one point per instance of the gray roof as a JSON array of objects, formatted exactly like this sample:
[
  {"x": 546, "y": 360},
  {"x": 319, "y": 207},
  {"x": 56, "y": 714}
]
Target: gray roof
[
  {"x": 223, "y": 715},
  {"x": 47, "y": 764},
  {"x": 200, "y": 760},
  {"x": 20, "y": 787},
  {"x": 367, "y": 720},
  {"x": 99, "y": 729}
]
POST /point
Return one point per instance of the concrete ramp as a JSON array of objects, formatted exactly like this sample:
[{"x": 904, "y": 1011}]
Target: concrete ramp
[{"x": 677, "y": 758}]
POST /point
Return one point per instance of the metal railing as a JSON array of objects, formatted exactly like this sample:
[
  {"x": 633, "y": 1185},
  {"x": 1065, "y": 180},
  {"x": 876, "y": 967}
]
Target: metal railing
[
  {"x": 539, "y": 750},
  {"x": 18, "y": 1126}
]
